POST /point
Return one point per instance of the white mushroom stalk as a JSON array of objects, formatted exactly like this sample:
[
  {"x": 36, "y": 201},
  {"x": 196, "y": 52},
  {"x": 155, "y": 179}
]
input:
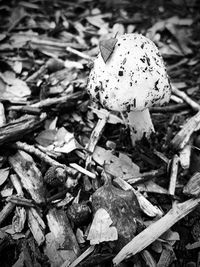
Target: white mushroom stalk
[{"x": 132, "y": 79}]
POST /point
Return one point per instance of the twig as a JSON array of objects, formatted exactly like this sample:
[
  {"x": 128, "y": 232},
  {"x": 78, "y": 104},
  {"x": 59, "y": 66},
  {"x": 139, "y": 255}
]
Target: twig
[
  {"x": 56, "y": 100},
  {"x": 173, "y": 175},
  {"x": 183, "y": 136},
  {"x": 80, "y": 258},
  {"x": 95, "y": 136},
  {"x": 78, "y": 53},
  {"x": 186, "y": 98},
  {"x": 26, "y": 109},
  {"x": 82, "y": 170},
  {"x": 169, "y": 108},
  {"x": 185, "y": 155},
  {"x": 43, "y": 42},
  {"x": 21, "y": 201},
  {"x": 145, "y": 205},
  {"x": 17, "y": 184},
  {"x": 7, "y": 209},
  {"x": 38, "y": 73},
  {"x": 16, "y": 129},
  {"x": 151, "y": 233},
  {"x": 71, "y": 170}
]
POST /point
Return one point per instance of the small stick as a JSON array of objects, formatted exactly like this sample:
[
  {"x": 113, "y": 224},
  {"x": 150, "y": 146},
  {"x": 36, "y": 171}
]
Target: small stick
[
  {"x": 169, "y": 108},
  {"x": 7, "y": 209},
  {"x": 16, "y": 129},
  {"x": 21, "y": 201},
  {"x": 80, "y": 258},
  {"x": 184, "y": 156},
  {"x": 17, "y": 184},
  {"x": 145, "y": 205},
  {"x": 186, "y": 98},
  {"x": 156, "y": 229},
  {"x": 39, "y": 41},
  {"x": 38, "y": 73},
  {"x": 26, "y": 109},
  {"x": 82, "y": 170},
  {"x": 78, "y": 53},
  {"x": 55, "y": 100},
  {"x": 2, "y": 115},
  {"x": 173, "y": 175},
  {"x": 95, "y": 136},
  {"x": 183, "y": 136},
  {"x": 176, "y": 99},
  {"x": 33, "y": 150}
]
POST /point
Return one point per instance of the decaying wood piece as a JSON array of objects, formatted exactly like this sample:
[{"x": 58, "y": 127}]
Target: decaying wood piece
[
  {"x": 7, "y": 209},
  {"x": 19, "y": 218},
  {"x": 192, "y": 188},
  {"x": 80, "y": 258},
  {"x": 36, "y": 225},
  {"x": 167, "y": 256},
  {"x": 61, "y": 244},
  {"x": 119, "y": 208},
  {"x": 183, "y": 136},
  {"x": 148, "y": 258},
  {"x": 156, "y": 229},
  {"x": 5, "y": 240},
  {"x": 72, "y": 169},
  {"x": 145, "y": 204},
  {"x": 173, "y": 174},
  {"x": 185, "y": 155},
  {"x": 17, "y": 184},
  {"x": 95, "y": 136},
  {"x": 57, "y": 100},
  {"x": 2, "y": 115},
  {"x": 30, "y": 176},
  {"x": 21, "y": 201},
  {"x": 104, "y": 116},
  {"x": 16, "y": 129}
]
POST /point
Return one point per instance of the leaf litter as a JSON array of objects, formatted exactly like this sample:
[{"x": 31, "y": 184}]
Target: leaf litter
[{"x": 70, "y": 197}]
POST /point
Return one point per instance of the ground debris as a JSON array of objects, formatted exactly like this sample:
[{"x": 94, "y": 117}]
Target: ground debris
[{"x": 74, "y": 191}]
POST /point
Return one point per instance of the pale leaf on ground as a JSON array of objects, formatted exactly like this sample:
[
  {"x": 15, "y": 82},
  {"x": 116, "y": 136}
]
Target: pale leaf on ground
[
  {"x": 101, "y": 229},
  {"x": 121, "y": 166},
  {"x": 4, "y": 175}
]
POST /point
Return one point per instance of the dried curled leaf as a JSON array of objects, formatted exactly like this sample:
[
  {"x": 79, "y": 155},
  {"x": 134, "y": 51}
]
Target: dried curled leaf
[{"x": 106, "y": 48}]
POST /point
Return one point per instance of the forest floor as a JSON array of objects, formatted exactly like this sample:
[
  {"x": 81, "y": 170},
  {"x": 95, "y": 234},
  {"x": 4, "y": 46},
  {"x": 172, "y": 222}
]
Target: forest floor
[{"x": 65, "y": 203}]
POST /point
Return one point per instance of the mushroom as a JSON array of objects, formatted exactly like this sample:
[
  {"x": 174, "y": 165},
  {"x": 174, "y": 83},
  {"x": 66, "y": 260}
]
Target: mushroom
[{"x": 131, "y": 80}]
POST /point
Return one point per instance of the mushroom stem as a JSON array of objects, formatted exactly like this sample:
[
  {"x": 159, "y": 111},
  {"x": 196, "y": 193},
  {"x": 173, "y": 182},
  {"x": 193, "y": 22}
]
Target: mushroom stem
[{"x": 140, "y": 124}]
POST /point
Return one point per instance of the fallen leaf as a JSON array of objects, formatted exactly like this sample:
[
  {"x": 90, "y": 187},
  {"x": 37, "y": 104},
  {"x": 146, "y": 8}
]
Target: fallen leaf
[
  {"x": 121, "y": 166},
  {"x": 101, "y": 229},
  {"x": 4, "y": 175},
  {"x": 107, "y": 47},
  {"x": 46, "y": 137}
]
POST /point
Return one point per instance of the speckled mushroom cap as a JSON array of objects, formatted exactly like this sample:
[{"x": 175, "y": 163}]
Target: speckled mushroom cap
[{"x": 133, "y": 78}]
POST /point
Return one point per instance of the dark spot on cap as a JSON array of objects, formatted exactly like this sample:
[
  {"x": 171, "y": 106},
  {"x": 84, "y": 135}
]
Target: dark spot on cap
[
  {"x": 124, "y": 61},
  {"x": 143, "y": 60},
  {"x": 156, "y": 85},
  {"x": 120, "y": 73},
  {"x": 148, "y": 61},
  {"x": 134, "y": 102},
  {"x": 97, "y": 96},
  {"x": 96, "y": 89},
  {"x": 142, "y": 46}
]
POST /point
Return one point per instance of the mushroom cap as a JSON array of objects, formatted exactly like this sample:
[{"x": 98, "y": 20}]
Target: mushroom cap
[{"x": 133, "y": 78}]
